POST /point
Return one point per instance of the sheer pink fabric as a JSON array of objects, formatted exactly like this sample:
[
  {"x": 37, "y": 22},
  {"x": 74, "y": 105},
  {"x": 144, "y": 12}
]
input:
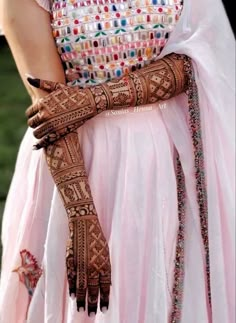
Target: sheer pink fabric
[
  {"x": 45, "y": 4},
  {"x": 129, "y": 158}
]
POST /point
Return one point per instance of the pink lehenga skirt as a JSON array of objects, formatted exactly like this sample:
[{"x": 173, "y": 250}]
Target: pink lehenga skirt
[{"x": 130, "y": 160}]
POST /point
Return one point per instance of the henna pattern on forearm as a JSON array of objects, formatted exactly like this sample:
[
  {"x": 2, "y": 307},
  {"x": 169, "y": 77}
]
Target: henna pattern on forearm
[
  {"x": 161, "y": 80},
  {"x": 67, "y": 108},
  {"x": 158, "y": 81},
  {"x": 87, "y": 254}
]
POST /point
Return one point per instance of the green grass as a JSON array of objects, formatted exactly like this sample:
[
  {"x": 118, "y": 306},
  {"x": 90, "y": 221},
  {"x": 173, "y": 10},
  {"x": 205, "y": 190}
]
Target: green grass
[{"x": 13, "y": 102}]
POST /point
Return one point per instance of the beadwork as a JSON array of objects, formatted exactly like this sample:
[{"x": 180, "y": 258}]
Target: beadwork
[{"x": 99, "y": 40}]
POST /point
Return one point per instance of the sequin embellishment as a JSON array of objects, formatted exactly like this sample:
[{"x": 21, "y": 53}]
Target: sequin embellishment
[
  {"x": 177, "y": 292},
  {"x": 99, "y": 40},
  {"x": 201, "y": 187},
  {"x": 196, "y": 133}
]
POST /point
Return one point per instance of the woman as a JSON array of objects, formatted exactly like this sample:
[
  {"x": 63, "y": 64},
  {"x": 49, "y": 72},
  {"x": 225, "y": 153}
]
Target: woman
[{"x": 135, "y": 195}]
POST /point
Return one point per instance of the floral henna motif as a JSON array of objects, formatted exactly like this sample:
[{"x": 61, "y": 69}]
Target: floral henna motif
[{"x": 87, "y": 253}]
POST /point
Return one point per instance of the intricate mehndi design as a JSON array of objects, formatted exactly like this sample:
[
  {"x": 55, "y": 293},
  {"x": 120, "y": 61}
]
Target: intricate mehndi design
[
  {"x": 66, "y": 108},
  {"x": 87, "y": 254},
  {"x": 59, "y": 114}
]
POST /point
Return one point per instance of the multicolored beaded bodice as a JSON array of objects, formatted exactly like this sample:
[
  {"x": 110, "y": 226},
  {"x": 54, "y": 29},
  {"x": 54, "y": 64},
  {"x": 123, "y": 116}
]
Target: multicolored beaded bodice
[{"x": 99, "y": 40}]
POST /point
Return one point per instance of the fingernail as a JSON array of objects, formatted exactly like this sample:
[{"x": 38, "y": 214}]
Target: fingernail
[
  {"x": 72, "y": 296},
  {"x": 92, "y": 314},
  {"x": 81, "y": 309},
  {"x": 34, "y": 82},
  {"x": 104, "y": 309}
]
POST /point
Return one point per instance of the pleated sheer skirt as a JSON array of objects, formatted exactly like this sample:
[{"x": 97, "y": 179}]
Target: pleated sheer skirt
[{"x": 130, "y": 161}]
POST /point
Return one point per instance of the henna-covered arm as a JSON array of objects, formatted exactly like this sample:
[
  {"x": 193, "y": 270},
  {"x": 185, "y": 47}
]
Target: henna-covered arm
[
  {"x": 67, "y": 108},
  {"x": 87, "y": 257},
  {"x": 158, "y": 81}
]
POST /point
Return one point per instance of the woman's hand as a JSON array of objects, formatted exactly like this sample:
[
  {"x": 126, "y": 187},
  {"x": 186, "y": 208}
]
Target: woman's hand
[
  {"x": 88, "y": 263},
  {"x": 87, "y": 259},
  {"x": 66, "y": 108},
  {"x": 62, "y": 111},
  {"x": 87, "y": 254}
]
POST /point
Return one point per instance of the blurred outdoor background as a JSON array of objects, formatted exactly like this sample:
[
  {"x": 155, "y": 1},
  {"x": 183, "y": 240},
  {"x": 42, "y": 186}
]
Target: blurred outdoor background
[{"x": 13, "y": 102}]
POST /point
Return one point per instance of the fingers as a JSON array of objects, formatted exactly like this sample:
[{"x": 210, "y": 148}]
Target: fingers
[
  {"x": 105, "y": 283},
  {"x": 93, "y": 291},
  {"x": 45, "y": 128},
  {"x": 81, "y": 288},
  {"x": 51, "y": 137},
  {"x": 46, "y": 141},
  {"x": 72, "y": 285},
  {"x": 93, "y": 294},
  {"x": 71, "y": 269},
  {"x": 81, "y": 299},
  {"x": 48, "y": 135},
  {"x": 32, "y": 110},
  {"x": 35, "y": 121},
  {"x": 48, "y": 86}
]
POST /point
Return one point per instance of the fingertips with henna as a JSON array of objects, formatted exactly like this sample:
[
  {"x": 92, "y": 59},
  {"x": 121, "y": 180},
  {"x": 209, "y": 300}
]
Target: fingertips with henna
[
  {"x": 48, "y": 86},
  {"x": 81, "y": 305},
  {"x": 34, "y": 121},
  {"x": 104, "y": 292},
  {"x": 31, "y": 111},
  {"x": 45, "y": 141},
  {"x": 93, "y": 292},
  {"x": 104, "y": 305},
  {"x": 34, "y": 82},
  {"x": 37, "y": 147},
  {"x": 81, "y": 299}
]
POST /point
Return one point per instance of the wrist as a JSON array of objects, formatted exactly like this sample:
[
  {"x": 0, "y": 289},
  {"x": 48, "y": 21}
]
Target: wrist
[
  {"x": 115, "y": 94},
  {"x": 100, "y": 98}
]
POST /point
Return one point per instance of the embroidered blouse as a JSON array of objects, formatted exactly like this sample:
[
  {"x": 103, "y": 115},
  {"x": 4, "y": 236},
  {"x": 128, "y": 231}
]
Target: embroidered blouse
[{"x": 102, "y": 39}]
